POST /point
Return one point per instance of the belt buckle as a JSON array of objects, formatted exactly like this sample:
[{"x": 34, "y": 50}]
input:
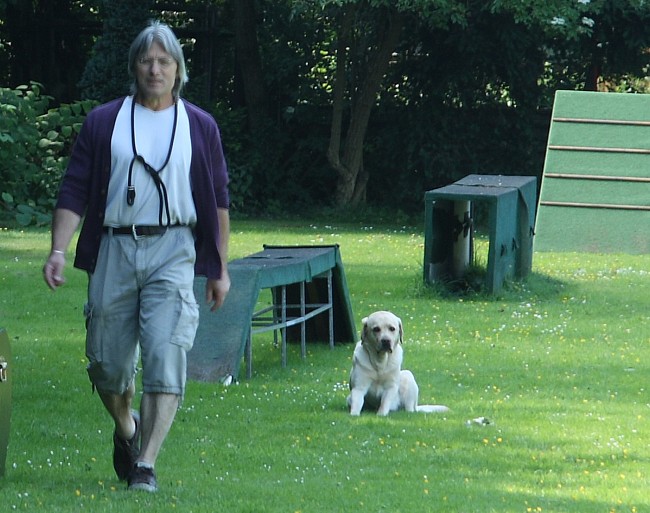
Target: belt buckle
[{"x": 134, "y": 231}]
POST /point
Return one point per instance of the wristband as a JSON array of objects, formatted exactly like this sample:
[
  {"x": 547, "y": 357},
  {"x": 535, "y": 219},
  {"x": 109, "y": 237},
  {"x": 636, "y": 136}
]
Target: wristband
[{"x": 58, "y": 252}]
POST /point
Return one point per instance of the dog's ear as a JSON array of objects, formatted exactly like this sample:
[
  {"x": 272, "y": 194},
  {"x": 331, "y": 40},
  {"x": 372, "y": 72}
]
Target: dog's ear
[
  {"x": 401, "y": 331},
  {"x": 364, "y": 327}
]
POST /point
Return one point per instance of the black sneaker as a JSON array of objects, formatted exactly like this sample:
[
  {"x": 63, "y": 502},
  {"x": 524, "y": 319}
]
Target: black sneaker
[
  {"x": 143, "y": 478},
  {"x": 126, "y": 452}
]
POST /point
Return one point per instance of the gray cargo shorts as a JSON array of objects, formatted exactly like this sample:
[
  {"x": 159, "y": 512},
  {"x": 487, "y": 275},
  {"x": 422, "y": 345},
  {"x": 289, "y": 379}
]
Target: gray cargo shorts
[{"x": 141, "y": 304}]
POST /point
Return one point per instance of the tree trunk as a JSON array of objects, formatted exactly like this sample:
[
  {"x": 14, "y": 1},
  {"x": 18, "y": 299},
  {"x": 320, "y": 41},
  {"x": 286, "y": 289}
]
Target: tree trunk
[
  {"x": 340, "y": 86},
  {"x": 352, "y": 180},
  {"x": 359, "y": 195},
  {"x": 250, "y": 63}
]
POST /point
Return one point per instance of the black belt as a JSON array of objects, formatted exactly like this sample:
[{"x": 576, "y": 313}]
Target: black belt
[{"x": 137, "y": 230}]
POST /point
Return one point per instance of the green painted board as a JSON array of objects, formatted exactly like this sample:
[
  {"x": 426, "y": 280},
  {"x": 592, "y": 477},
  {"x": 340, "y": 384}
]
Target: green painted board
[
  {"x": 595, "y": 190},
  {"x": 5, "y": 397}
]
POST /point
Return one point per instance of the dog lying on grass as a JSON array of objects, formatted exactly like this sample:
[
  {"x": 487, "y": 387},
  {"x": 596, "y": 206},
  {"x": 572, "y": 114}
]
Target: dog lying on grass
[{"x": 377, "y": 379}]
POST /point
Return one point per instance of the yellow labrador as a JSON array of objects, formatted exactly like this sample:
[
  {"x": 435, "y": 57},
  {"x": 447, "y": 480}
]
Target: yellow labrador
[{"x": 377, "y": 379}]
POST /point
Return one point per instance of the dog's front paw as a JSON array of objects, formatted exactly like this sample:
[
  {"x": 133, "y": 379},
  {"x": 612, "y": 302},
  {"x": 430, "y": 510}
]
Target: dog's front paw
[
  {"x": 355, "y": 402},
  {"x": 355, "y": 409}
]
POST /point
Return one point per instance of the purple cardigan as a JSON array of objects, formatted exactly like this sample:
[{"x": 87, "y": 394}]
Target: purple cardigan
[{"x": 85, "y": 184}]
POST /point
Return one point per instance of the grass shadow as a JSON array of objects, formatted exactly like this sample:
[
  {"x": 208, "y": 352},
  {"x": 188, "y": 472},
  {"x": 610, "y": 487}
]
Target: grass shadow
[{"x": 535, "y": 286}]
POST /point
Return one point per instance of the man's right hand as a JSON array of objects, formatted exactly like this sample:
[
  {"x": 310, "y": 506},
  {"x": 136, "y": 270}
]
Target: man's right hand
[{"x": 53, "y": 270}]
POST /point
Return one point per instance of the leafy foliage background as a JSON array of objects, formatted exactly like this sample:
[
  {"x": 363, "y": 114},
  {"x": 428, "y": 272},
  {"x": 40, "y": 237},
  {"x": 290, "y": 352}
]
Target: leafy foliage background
[{"x": 469, "y": 89}]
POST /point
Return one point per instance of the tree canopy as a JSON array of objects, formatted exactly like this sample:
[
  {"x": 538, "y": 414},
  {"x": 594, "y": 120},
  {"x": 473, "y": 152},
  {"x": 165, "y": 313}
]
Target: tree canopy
[{"x": 346, "y": 102}]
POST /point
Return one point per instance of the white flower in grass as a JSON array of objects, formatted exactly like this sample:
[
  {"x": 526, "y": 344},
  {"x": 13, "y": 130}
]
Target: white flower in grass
[
  {"x": 558, "y": 21},
  {"x": 585, "y": 2},
  {"x": 588, "y": 21}
]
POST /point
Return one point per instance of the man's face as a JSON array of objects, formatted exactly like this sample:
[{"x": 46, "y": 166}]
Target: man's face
[{"x": 156, "y": 73}]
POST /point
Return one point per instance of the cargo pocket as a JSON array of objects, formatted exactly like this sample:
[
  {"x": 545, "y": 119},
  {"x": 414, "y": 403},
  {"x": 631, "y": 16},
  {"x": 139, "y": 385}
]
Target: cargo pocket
[
  {"x": 187, "y": 320},
  {"x": 93, "y": 346},
  {"x": 93, "y": 339},
  {"x": 88, "y": 313}
]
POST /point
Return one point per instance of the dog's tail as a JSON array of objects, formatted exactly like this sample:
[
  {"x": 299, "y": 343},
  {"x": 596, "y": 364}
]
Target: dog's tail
[{"x": 431, "y": 408}]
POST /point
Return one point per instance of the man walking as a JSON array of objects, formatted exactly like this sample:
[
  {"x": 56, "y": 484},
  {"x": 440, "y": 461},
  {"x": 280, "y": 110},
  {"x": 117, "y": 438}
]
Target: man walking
[{"x": 148, "y": 176}]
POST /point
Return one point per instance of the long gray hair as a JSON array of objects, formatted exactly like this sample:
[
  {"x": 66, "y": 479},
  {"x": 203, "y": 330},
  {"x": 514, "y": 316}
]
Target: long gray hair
[{"x": 160, "y": 33}]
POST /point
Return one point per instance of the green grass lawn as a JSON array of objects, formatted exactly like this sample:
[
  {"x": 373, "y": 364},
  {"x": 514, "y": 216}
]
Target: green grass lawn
[{"x": 559, "y": 365}]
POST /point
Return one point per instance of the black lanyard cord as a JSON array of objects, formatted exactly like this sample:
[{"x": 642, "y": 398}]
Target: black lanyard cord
[
  {"x": 160, "y": 187},
  {"x": 155, "y": 174}
]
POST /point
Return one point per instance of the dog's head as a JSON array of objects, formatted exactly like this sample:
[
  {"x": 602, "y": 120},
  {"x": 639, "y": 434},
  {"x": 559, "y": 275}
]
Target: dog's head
[{"x": 382, "y": 331}]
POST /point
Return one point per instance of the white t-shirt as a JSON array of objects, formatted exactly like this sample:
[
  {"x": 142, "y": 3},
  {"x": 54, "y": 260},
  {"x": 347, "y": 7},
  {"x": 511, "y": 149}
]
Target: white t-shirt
[{"x": 153, "y": 132}]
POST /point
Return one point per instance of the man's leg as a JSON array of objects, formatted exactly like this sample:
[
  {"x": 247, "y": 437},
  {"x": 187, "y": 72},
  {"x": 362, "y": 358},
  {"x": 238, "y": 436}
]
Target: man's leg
[
  {"x": 112, "y": 323},
  {"x": 119, "y": 407},
  {"x": 168, "y": 322},
  {"x": 126, "y": 435},
  {"x": 157, "y": 412}
]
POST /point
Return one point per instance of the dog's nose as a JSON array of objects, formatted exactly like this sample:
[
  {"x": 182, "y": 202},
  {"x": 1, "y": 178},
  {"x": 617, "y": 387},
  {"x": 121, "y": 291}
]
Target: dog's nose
[{"x": 385, "y": 345}]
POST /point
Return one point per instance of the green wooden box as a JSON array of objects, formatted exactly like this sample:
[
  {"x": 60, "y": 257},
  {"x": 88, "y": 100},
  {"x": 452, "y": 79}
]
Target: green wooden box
[{"x": 511, "y": 202}]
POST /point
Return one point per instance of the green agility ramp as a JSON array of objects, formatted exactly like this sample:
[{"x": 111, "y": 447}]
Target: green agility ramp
[
  {"x": 310, "y": 303},
  {"x": 595, "y": 193}
]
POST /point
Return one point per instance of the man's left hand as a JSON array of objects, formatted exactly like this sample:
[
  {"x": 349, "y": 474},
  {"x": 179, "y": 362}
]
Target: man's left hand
[{"x": 216, "y": 291}]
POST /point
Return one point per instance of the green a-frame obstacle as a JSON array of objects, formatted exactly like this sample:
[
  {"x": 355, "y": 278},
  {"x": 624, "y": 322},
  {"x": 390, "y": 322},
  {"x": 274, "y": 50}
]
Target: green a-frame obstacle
[
  {"x": 310, "y": 303},
  {"x": 595, "y": 193}
]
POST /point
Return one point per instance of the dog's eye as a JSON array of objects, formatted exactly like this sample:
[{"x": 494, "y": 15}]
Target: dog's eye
[
  {"x": 376, "y": 329},
  {"x": 392, "y": 328}
]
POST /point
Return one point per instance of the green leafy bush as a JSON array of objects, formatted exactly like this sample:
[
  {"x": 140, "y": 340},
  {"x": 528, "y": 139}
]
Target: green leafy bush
[{"x": 35, "y": 144}]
